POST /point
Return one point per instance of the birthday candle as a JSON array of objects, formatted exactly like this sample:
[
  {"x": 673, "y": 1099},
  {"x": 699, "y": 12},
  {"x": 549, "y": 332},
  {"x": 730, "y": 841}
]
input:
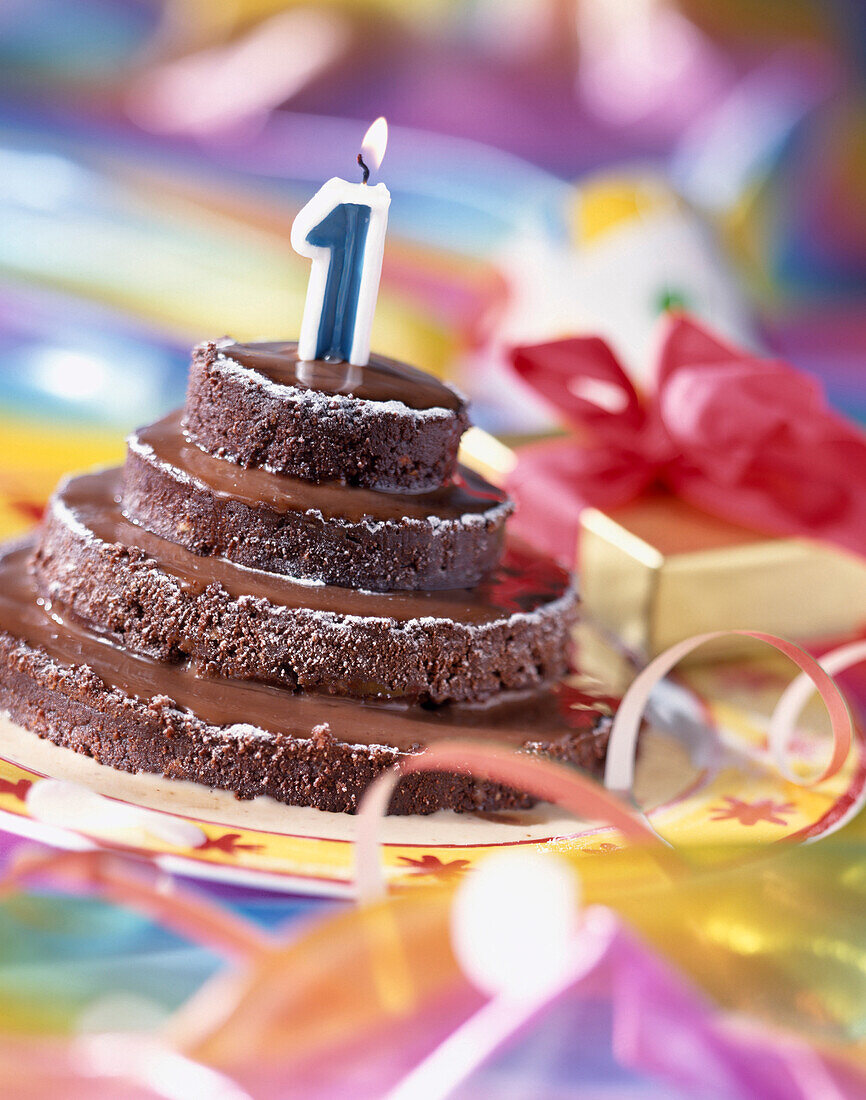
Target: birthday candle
[{"x": 342, "y": 230}]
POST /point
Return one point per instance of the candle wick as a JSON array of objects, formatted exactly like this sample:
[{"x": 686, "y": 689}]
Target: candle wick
[{"x": 364, "y": 168}]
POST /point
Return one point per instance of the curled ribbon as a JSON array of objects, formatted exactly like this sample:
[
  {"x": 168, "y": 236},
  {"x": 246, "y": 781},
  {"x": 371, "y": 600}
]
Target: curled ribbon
[
  {"x": 545, "y": 779},
  {"x": 582, "y": 796},
  {"x": 797, "y": 693},
  {"x": 748, "y": 439},
  {"x": 622, "y": 744}
]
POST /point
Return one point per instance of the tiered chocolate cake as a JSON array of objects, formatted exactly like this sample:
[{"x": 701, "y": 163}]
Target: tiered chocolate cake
[{"x": 288, "y": 586}]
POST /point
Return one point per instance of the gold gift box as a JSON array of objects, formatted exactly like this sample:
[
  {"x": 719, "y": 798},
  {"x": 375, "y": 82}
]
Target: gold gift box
[{"x": 657, "y": 570}]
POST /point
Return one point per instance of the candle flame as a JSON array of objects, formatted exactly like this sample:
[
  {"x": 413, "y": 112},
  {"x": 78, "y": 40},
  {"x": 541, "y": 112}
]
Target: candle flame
[{"x": 374, "y": 143}]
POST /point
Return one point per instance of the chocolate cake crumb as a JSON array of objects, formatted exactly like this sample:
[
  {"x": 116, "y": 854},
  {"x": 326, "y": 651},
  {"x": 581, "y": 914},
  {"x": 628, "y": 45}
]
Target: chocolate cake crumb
[
  {"x": 236, "y": 411},
  {"x": 291, "y": 593}
]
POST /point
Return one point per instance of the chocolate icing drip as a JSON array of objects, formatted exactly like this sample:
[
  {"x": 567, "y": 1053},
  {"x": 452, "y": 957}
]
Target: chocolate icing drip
[
  {"x": 331, "y": 532},
  {"x": 545, "y": 717},
  {"x": 468, "y": 495},
  {"x": 162, "y": 600},
  {"x": 381, "y": 379},
  {"x": 523, "y": 582}
]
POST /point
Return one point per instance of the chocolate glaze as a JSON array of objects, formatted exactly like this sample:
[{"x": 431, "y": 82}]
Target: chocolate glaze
[
  {"x": 469, "y": 495},
  {"x": 220, "y": 656},
  {"x": 381, "y": 379},
  {"x": 545, "y": 718},
  {"x": 237, "y": 412},
  {"x": 89, "y": 566},
  {"x": 524, "y": 581},
  {"x": 377, "y": 555}
]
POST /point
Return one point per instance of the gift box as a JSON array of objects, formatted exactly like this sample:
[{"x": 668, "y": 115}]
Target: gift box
[
  {"x": 728, "y": 495},
  {"x": 658, "y": 570}
]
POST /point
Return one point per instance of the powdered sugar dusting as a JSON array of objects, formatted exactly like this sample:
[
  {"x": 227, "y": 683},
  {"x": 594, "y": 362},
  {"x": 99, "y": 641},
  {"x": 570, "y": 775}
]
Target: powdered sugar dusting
[{"x": 325, "y": 402}]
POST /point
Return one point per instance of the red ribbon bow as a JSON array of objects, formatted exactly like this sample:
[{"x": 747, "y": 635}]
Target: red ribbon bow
[{"x": 751, "y": 440}]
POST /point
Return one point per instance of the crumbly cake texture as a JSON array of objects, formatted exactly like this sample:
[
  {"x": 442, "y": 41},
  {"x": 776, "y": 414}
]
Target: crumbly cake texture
[
  {"x": 72, "y": 707},
  {"x": 379, "y": 555},
  {"x": 139, "y": 635},
  {"x": 236, "y": 412},
  {"x": 126, "y": 593}
]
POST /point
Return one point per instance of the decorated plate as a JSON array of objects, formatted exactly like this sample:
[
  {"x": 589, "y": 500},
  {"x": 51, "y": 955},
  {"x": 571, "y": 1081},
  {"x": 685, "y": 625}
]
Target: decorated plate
[{"x": 703, "y": 775}]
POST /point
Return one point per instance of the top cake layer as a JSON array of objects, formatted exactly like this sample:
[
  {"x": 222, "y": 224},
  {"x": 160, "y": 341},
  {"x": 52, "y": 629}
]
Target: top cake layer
[{"x": 384, "y": 426}]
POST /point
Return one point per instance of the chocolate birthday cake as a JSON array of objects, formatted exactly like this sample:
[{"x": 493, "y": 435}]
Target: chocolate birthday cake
[{"x": 290, "y": 585}]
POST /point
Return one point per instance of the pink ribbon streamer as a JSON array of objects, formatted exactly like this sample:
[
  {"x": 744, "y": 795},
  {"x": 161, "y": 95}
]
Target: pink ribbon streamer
[
  {"x": 748, "y": 439},
  {"x": 580, "y": 795},
  {"x": 622, "y": 745},
  {"x": 545, "y": 779},
  {"x": 795, "y": 696}
]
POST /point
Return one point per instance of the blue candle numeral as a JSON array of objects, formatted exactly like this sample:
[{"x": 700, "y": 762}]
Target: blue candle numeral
[{"x": 344, "y": 233}]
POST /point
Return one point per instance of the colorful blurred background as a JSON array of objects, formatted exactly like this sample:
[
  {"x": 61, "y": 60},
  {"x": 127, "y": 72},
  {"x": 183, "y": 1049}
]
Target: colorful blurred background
[{"x": 556, "y": 166}]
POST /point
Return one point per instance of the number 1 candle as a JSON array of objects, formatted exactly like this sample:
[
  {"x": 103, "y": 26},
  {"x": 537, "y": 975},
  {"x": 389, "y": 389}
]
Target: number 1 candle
[{"x": 342, "y": 230}]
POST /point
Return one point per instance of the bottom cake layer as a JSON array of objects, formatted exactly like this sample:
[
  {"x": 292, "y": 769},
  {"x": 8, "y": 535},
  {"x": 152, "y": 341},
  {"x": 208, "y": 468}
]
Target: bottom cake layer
[{"x": 68, "y": 684}]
